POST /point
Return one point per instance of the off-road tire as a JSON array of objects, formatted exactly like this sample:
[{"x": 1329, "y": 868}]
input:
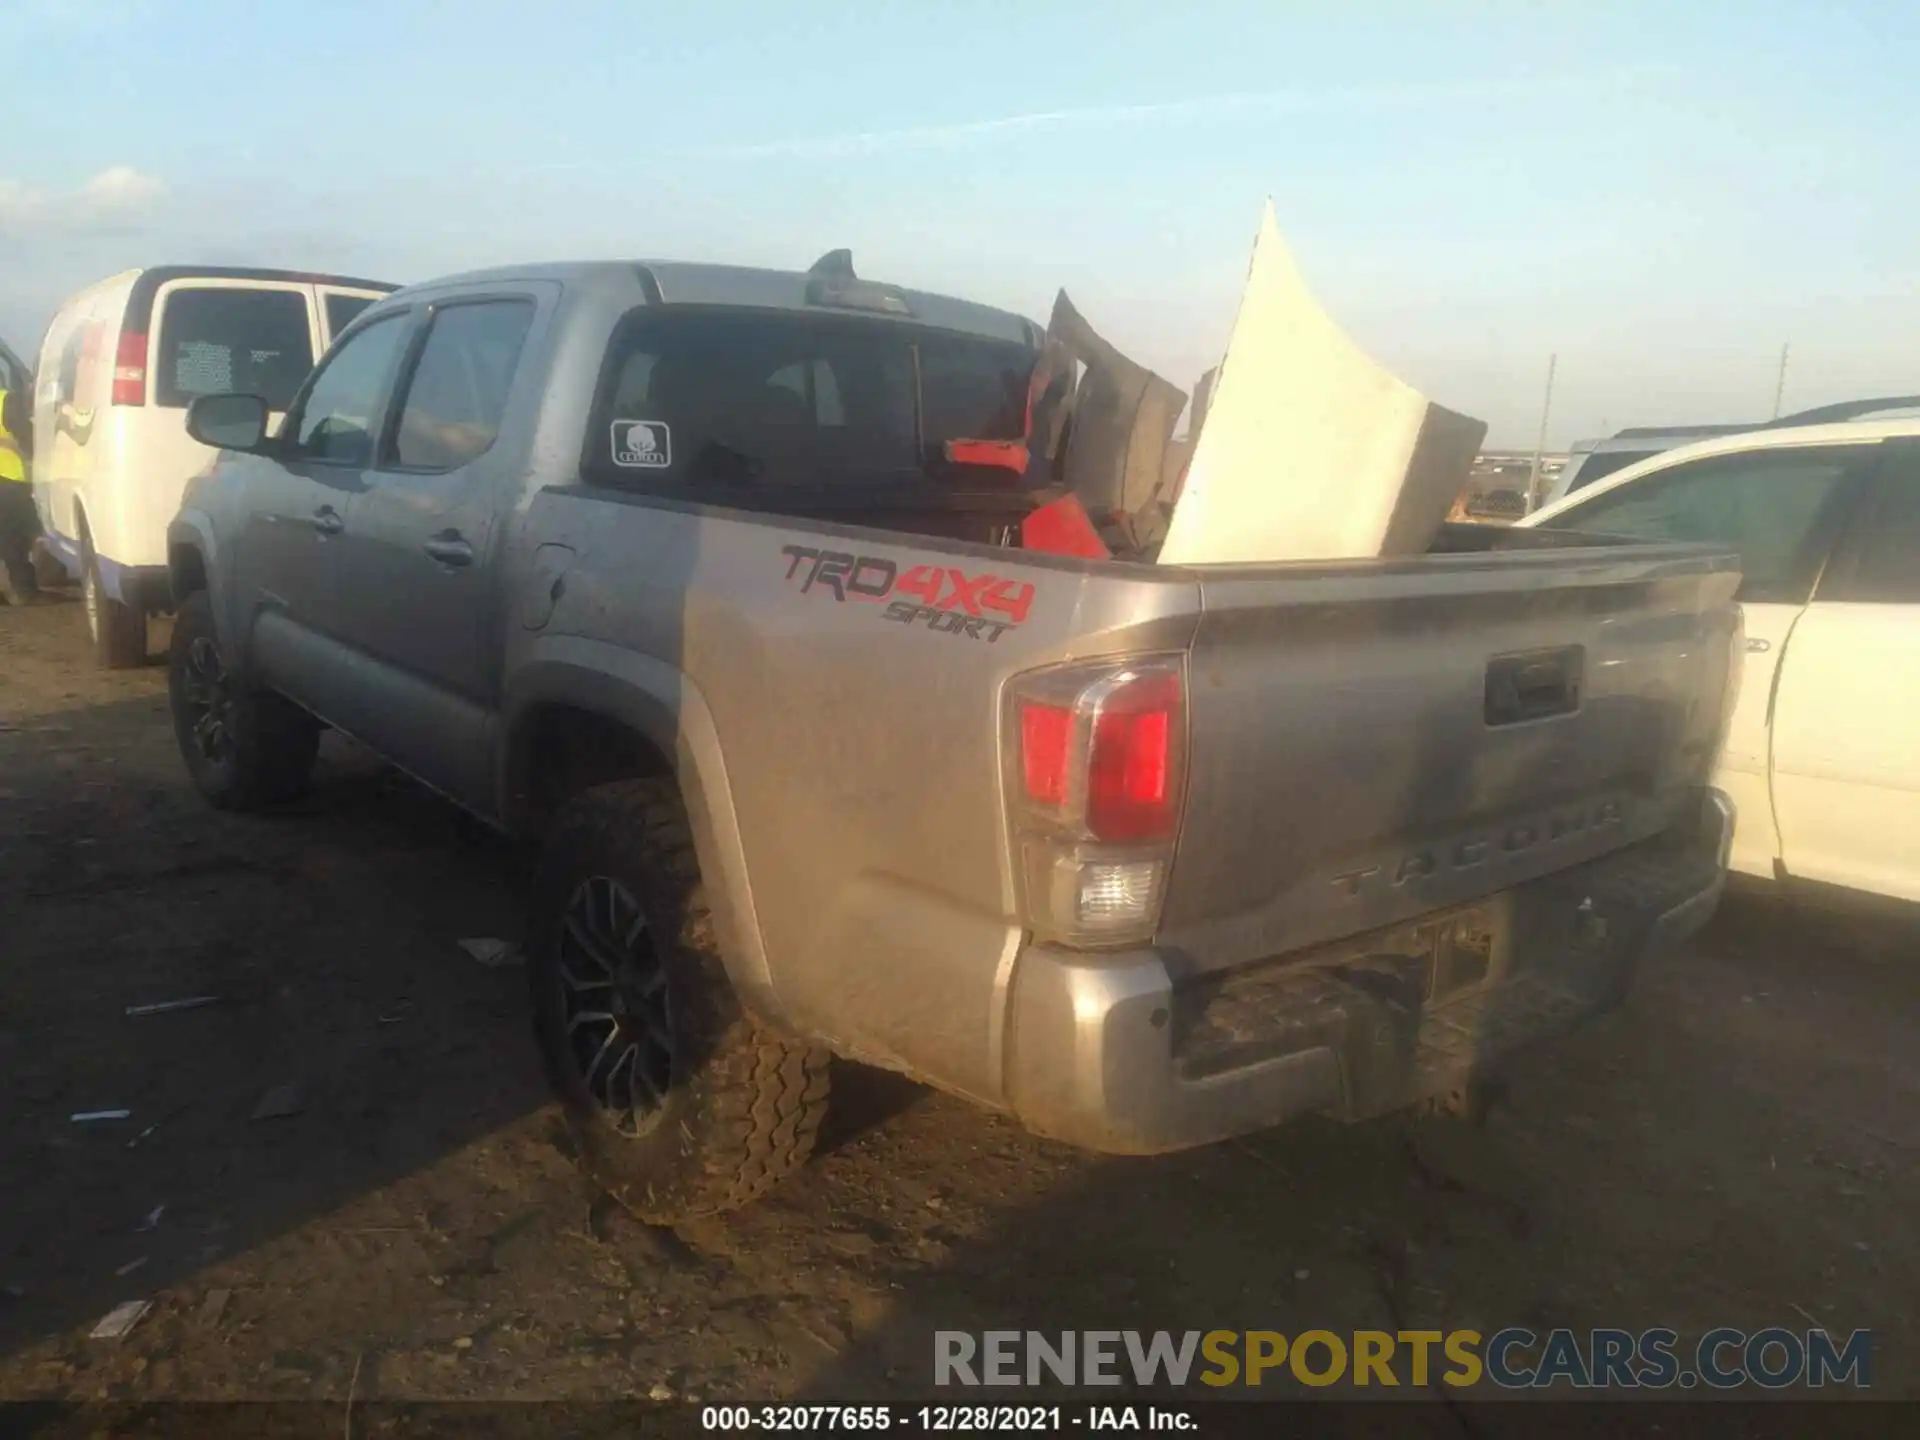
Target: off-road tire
[
  {"x": 274, "y": 741},
  {"x": 743, "y": 1104},
  {"x": 117, "y": 630}
]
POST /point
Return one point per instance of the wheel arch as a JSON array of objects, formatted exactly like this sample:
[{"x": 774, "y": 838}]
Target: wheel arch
[{"x": 579, "y": 713}]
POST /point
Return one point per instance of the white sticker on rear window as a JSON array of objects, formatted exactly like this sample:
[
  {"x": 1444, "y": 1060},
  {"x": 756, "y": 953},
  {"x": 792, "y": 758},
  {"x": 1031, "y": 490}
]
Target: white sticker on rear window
[{"x": 642, "y": 445}]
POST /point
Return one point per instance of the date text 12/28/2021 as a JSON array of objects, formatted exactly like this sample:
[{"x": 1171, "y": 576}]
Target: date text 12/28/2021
[{"x": 947, "y": 1419}]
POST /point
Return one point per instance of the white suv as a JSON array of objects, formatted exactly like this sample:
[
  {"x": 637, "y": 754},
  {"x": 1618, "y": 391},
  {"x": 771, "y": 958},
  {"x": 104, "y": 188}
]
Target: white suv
[{"x": 1823, "y": 752}]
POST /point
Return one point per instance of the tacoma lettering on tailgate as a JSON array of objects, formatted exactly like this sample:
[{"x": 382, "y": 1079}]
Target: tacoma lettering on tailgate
[
  {"x": 1475, "y": 850},
  {"x": 945, "y": 598}
]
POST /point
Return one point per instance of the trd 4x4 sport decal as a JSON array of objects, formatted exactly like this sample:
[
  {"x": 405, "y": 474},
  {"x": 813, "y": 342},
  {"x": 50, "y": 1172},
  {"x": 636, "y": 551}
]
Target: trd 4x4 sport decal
[{"x": 945, "y": 598}]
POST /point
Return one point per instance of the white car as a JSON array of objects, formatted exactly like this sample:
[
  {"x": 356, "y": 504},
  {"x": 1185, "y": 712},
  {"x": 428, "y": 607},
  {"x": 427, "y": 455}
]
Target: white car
[
  {"x": 1823, "y": 752},
  {"x": 119, "y": 365}
]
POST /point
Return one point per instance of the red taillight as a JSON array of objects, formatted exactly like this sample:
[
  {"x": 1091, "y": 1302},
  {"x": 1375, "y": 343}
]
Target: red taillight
[
  {"x": 1046, "y": 739},
  {"x": 1101, "y": 750},
  {"x": 1096, "y": 778},
  {"x": 1130, "y": 770},
  {"x": 130, "y": 369}
]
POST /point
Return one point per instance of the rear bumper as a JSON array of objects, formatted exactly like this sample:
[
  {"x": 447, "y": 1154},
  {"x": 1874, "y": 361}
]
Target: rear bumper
[
  {"x": 1112, "y": 1053},
  {"x": 147, "y": 588}
]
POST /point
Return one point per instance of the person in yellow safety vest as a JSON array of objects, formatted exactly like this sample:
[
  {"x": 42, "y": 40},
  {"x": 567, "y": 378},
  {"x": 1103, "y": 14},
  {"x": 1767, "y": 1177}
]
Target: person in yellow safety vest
[{"x": 19, "y": 524}]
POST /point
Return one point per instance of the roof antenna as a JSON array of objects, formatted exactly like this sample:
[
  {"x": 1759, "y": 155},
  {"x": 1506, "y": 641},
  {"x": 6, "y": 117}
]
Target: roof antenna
[{"x": 836, "y": 263}]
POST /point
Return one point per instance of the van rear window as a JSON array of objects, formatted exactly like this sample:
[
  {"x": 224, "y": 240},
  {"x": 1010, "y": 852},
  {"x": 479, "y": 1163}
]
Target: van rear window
[{"x": 219, "y": 340}]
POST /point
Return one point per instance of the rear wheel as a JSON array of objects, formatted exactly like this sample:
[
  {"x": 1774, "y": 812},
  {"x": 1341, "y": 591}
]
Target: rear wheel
[
  {"x": 680, "y": 1103},
  {"x": 117, "y": 630},
  {"x": 244, "y": 748}
]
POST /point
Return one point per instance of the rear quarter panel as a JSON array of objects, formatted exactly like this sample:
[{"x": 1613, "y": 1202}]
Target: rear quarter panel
[{"x": 861, "y": 753}]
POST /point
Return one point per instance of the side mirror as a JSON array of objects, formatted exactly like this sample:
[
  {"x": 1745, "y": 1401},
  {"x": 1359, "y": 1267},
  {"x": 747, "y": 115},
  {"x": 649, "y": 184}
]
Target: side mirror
[{"x": 228, "y": 422}]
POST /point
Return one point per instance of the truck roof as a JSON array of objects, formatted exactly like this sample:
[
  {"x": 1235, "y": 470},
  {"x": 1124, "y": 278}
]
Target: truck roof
[{"x": 677, "y": 282}]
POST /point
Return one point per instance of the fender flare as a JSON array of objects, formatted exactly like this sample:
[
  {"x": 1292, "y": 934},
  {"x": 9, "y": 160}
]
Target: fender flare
[
  {"x": 193, "y": 530},
  {"x": 660, "y": 704}
]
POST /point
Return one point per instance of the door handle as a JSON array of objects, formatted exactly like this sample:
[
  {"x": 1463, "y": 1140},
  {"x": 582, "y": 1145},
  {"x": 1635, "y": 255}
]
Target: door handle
[
  {"x": 449, "y": 549},
  {"x": 327, "y": 521},
  {"x": 1758, "y": 646},
  {"x": 1535, "y": 686}
]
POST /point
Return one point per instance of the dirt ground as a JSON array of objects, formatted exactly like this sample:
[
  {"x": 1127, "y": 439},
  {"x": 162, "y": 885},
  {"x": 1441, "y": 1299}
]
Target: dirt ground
[{"x": 1737, "y": 1147}]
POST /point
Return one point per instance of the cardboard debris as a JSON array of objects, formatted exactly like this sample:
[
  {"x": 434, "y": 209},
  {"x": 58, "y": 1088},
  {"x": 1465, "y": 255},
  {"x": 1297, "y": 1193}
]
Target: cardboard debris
[
  {"x": 118, "y": 1321},
  {"x": 1309, "y": 449}
]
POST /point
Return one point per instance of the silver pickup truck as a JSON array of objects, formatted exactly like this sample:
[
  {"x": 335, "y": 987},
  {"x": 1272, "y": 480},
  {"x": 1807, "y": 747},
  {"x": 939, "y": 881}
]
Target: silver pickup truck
[{"x": 662, "y": 567}]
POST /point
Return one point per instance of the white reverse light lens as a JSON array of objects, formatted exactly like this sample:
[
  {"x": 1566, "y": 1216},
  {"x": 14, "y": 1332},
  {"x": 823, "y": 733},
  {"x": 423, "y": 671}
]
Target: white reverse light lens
[{"x": 1117, "y": 895}]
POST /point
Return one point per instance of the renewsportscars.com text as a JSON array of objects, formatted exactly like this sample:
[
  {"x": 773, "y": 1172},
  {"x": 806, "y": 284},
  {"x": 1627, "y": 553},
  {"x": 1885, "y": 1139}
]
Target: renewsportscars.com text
[{"x": 1514, "y": 1358}]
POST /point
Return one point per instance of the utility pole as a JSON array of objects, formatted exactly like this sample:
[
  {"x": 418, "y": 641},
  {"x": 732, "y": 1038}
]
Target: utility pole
[
  {"x": 1540, "y": 445},
  {"x": 1780, "y": 384}
]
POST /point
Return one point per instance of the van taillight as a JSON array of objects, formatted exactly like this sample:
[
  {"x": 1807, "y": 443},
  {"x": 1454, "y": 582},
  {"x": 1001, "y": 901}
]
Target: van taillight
[
  {"x": 1095, "y": 792},
  {"x": 130, "y": 369}
]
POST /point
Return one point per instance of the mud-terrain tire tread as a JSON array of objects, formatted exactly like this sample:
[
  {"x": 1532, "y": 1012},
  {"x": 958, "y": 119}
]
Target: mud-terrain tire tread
[
  {"x": 275, "y": 741},
  {"x": 744, "y": 1115}
]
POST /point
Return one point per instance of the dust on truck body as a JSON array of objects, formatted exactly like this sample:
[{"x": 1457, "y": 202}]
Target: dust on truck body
[{"x": 823, "y": 762}]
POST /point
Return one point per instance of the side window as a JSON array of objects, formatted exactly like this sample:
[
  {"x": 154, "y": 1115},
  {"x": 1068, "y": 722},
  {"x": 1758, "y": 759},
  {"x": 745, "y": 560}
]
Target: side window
[
  {"x": 1880, "y": 562},
  {"x": 1778, "y": 508},
  {"x": 458, "y": 393},
  {"x": 340, "y": 417},
  {"x": 218, "y": 340},
  {"x": 343, "y": 310},
  {"x": 1598, "y": 465}
]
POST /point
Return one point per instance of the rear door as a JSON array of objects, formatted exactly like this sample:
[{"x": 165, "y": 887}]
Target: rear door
[
  {"x": 219, "y": 336},
  {"x": 1846, "y": 728},
  {"x": 1781, "y": 509},
  {"x": 414, "y": 564}
]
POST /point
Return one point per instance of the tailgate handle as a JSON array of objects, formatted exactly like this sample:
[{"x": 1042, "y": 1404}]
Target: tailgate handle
[{"x": 1535, "y": 686}]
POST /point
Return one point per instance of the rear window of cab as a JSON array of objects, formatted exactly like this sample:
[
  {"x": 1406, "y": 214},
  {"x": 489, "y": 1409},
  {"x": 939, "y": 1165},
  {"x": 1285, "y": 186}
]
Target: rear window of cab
[{"x": 703, "y": 403}]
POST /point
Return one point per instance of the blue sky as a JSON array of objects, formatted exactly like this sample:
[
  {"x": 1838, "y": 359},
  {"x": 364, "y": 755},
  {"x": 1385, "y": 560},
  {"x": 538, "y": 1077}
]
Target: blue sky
[{"x": 1659, "y": 193}]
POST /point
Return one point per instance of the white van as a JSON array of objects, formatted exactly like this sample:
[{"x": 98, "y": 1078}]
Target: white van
[{"x": 119, "y": 365}]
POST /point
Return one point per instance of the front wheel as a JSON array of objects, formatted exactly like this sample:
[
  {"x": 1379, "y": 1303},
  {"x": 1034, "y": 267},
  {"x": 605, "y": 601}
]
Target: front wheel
[
  {"x": 681, "y": 1104},
  {"x": 244, "y": 748}
]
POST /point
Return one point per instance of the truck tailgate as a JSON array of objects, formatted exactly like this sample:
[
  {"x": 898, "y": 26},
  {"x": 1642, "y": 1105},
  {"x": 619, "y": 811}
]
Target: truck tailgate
[{"x": 1372, "y": 742}]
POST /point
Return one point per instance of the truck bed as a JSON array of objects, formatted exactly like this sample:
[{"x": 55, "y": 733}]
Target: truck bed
[{"x": 1345, "y": 773}]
